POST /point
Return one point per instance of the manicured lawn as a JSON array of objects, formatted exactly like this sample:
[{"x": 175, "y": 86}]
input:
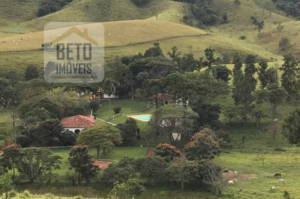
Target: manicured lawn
[{"x": 129, "y": 107}]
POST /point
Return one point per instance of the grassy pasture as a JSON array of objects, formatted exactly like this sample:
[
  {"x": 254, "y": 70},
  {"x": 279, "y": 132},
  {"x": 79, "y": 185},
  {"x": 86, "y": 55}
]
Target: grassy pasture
[{"x": 119, "y": 33}]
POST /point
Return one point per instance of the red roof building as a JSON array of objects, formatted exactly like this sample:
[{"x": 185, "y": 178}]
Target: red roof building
[
  {"x": 102, "y": 165},
  {"x": 78, "y": 122},
  {"x": 164, "y": 99}
]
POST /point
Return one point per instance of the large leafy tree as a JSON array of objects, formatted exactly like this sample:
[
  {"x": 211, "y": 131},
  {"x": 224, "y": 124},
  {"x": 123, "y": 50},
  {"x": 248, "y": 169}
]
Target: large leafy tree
[
  {"x": 154, "y": 51},
  {"x": 262, "y": 73},
  {"x": 200, "y": 87},
  {"x": 48, "y": 132},
  {"x": 152, "y": 169},
  {"x": 120, "y": 171},
  {"x": 129, "y": 189},
  {"x": 6, "y": 184},
  {"x": 291, "y": 128},
  {"x": 103, "y": 137},
  {"x": 244, "y": 84},
  {"x": 275, "y": 96},
  {"x": 128, "y": 130},
  {"x": 31, "y": 72},
  {"x": 238, "y": 76},
  {"x": 203, "y": 146},
  {"x": 68, "y": 102},
  {"x": 152, "y": 88},
  {"x": 10, "y": 157},
  {"x": 289, "y": 76},
  {"x": 174, "y": 85},
  {"x": 8, "y": 94},
  {"x": 167, "y": 151},
  {"x": 208, "y": 115},
  {"x": 82, "y": 163},
  {"x": 221, "y": 72},
  {"x": 35, "y": 162},
  {"x": 183, "y": 171},
  {"x": 188, "y": 63},
  {"x": 173, "y": 119},
  {"x": 47, "y": 104}
]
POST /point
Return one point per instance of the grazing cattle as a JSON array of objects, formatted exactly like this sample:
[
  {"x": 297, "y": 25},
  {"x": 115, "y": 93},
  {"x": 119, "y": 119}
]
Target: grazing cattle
[
  {"x": 281, "y": 181},
  {"x": 236, "y": 173},
  {"x": 235, "y": 181},
  {"x": 273, "y": 188},
  {"x": 277, "y": 175},
  {"x": 226, "y": 171},
  {"x": 230, "y": 182}
]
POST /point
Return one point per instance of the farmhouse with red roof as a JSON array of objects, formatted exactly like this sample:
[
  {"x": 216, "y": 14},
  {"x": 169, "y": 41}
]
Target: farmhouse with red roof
[{"x": 78, "y": 123}]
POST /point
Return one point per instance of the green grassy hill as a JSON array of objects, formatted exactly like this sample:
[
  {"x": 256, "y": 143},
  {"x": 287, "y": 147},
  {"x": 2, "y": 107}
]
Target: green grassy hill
[
  {"x": 15, "y": 12},
  {"x": 131, "y": 29}
]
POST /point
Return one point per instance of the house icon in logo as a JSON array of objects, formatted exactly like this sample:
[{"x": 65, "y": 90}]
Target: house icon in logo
[{"x": 78, "y": 32}]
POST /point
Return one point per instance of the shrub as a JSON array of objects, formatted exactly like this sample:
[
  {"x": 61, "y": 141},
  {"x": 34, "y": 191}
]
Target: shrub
[
  {"x": 68, "y": 138},
  {"x": 203, "y": 146},
  {"x": 141, "y": 2},
  {"x": 26, "y": 193},
  {"x": 152, "y": 169},
  {"x": 12, "y": 194},
  {"x": 49, "y": 196},
  {"x": 119, "y": 172},
  {"x": 133, "y": 187},
  {"x": 129, "y": 130},
  {"x": 167, "y": 151},
  {"x": 286, "y": 195},
  {"x": 5, "y": 184},
  {"x": 279, "y": 149},
  {"x": 31, "y": 72},
  {"x": 182, "y": 171},
  {"x": 284, "y": 44},
  {"x": 117, "y": 109}
]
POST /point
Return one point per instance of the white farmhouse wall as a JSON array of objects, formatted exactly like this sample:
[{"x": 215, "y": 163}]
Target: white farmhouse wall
[{"x": 73, "y": 129}]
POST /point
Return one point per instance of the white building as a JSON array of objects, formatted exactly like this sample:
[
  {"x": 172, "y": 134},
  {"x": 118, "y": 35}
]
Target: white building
[{"x": 78, "y": 123}]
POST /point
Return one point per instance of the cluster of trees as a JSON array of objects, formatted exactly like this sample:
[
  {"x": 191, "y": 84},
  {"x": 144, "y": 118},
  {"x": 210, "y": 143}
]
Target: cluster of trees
[
  {"x": 41, "y": 118},
  {"x": 285, "y": 44},
  {"x": 31, "y": 164},
  {"x": 205, "y": 11},
  {"x": 50, "y": 6},
  {"x": 38, "y": 108},
  {"x": 165, "y": 165},
  {"x": 145, "y": 75},
  {"x": 248, "y": 99},
  {"x": 128, "y": 176},
  {"x": 290, "y": 7},
  {"x": 259, "y": 24}
]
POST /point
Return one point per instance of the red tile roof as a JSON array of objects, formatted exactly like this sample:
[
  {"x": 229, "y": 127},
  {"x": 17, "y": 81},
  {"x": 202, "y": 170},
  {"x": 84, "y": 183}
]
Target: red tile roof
[
  {"x": 165, "y": 97},
  {"x": 78, "y": 121},
  {"x": 102, "y": 164}
]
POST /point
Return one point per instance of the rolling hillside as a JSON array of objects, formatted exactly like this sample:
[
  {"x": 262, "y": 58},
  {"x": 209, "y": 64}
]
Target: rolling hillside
[{"x": 130, "y": 29}]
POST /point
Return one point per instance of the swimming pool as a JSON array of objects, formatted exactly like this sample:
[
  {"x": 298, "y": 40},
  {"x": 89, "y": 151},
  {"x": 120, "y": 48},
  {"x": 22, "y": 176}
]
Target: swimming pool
[{"x": 143, "y": 118}]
